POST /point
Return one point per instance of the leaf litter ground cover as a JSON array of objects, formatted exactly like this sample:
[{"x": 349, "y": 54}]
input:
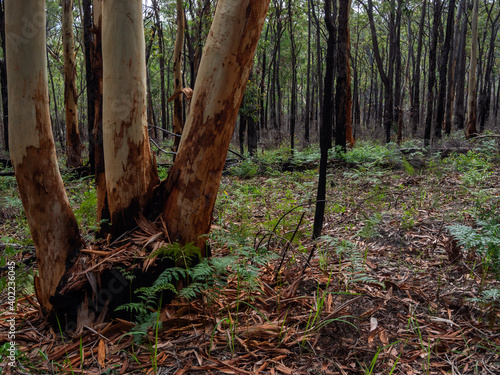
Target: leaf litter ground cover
[{"x": 387, "y": 289}]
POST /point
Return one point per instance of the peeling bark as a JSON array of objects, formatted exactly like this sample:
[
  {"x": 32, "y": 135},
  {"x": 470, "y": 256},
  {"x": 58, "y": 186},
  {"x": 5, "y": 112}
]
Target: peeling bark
[
  {"x": 130, "y": 170},
  {"x": 226, "y": 62},
  {"x": 52, "y": 224}
]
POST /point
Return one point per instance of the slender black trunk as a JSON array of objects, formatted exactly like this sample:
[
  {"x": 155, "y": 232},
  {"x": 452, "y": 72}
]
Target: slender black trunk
[
  {"x": 432, "y": 72},
  {"x": 326, "y": 122},
  {"x": 443, "y": 70}
]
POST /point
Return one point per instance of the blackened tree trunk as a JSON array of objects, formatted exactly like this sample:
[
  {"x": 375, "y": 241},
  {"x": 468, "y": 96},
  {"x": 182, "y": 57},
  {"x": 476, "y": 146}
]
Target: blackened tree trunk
[
  {"x": 252, "y": 135},
  {"x": 262, "y": 88},
  {"x": 460, "y": 75},
  {"x": 294, "y": 88},
  {"x": 415, "y": 105},
  {"x": 161, "y": 51},
  {"x": 387, "y": 78},
  {"x": 485, "y": 95},
  {"x": 398, "y": 99},
  {"x": 73, "y": 144},
  {"x": 103, "y": 215},
  {"x": 88, "y": 41},
  {"x": 242, "y": 129},
  {"x": 432, "y": 72},
  {"x": 343, "y": 98},
  {"x": 452, "y": 66},
  {"x": 326, "y": 121},
  {"x": 443, "y": 70},
  {"x": 307, "y": 115},
  {"x": 471, "y": 129}
]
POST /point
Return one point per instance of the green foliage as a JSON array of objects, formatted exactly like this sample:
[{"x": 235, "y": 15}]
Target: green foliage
[
  {"x": 484, "y": 238},
  {"x": 371, "y": 226},
  {"x": 371, "y": 155},
  {"x": 245, "y": 169},
  {"x": 473, "y": 160},
  {"x": 24, "y": 277}
]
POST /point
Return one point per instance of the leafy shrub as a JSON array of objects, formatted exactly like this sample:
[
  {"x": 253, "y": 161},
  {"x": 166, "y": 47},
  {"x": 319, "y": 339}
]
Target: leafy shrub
[{"x": 373, "y": 155}]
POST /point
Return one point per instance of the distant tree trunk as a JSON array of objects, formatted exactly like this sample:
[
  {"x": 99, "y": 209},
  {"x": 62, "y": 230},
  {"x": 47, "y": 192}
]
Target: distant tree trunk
[
  {"x": 178, "y": 123},
  {"x": 294, "y": 88},
  {"x": 326, "y": 122},
  {"x": 52, "y": 224},
  {"x": 73, "y": 145},
  {"x": 319, "y": 65},
  {"x": 415, "y": 105},
  {"x": 443, "y": 67},
  {"x": 130, "y": 170},
  {"x": 262, "y": 87},
  {"x": 57, "y": 128},
  {"x": 356, "y": 112},
  {"x": 162, "y": 68},
  {"x": 242, "y": 129},
  {"x": 153, "y": 133},
  {"x": 460, "y": 75},
  {"x": 387, "y": 78},
  {"x": 279, "y": 93},
  {"x": 452, "y": 65},
  {"x": 88, "y": 40},
  {"x": 472, "y": 95},
  {"x": 398, "y": 100},
  {"x": 343, "y": 97},
  {"x": 307, "y": 116},
  {"x": 485, "y": 95},
  {"x": 252, "y": 136},
  {"x": 432, "y": 72},
  {"x": 3, "y": 80},
  {"x": 193, "y": 181}
]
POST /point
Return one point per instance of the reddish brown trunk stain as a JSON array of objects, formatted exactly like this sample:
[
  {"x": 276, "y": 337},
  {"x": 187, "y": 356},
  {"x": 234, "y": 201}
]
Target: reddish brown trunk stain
[
  {"x": 52, "y": 224},
  {"x": 192, "y": 185}
]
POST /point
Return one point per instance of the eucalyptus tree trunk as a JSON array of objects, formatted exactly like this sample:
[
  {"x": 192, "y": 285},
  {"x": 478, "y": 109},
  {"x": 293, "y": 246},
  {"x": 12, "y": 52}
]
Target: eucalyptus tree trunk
[
  {"x": 193, "y": 181},
  {"x": 471, "y": 91},
  {"x": 73, "y": 145},
  {"x": 130, "y": 170},
  {"x": 178, "y": 123},
  {"x": 52, "y": 224}
]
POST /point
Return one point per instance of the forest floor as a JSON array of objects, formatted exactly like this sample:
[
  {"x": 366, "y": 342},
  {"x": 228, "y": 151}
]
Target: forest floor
[{"x": 403, "y": 281}]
